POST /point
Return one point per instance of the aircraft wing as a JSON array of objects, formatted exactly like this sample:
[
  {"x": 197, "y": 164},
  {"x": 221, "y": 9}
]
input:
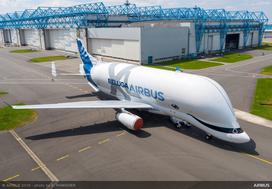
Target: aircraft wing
[{"x": 88, "y": 105}]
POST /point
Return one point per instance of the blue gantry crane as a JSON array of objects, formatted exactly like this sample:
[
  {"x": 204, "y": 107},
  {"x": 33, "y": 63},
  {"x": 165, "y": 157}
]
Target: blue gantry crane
[{"x": 99, "y": 15}]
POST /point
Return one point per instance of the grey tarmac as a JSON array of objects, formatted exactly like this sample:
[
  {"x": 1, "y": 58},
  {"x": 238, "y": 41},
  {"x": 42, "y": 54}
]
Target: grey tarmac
[{"x": 91, "y": 145}]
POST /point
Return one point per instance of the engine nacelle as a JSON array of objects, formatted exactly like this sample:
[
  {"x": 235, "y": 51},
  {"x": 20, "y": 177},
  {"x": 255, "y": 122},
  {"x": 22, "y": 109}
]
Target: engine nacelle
[{"x": 131, "y": 121}]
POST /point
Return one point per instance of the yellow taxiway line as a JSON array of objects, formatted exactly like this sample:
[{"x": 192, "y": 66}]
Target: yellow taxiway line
[
  {"x": 260, "y": 159},
  {"x": 51, "y": 176},
  {"x": 121, "y": 134},
  {"x": 104, "y": 141},
  {"x": 84, "y": 149},
  {"x": 62, "y": 158},
  {"x": 10, "y": 178},
  {"x": 36, "y": 168}
]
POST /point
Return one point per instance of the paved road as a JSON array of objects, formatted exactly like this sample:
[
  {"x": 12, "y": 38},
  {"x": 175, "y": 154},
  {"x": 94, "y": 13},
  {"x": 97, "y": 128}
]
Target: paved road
[
  {"x": 92, "y": 145},
  {"x": 239, "y": 79}
]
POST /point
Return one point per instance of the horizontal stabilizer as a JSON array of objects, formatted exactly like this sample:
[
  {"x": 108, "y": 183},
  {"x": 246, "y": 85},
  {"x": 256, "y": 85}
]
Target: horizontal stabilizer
[
  {"x": 88, "y": 105},
  {"x": 93, "y": 86}
]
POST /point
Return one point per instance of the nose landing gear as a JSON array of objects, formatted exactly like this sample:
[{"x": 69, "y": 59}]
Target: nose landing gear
[
  {"x": 208, "y": 137},
  {"x": 180, "y": 123}
]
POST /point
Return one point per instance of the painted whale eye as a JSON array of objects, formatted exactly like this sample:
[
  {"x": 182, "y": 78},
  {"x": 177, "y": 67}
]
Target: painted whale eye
[{"x": 175, "y": 106}]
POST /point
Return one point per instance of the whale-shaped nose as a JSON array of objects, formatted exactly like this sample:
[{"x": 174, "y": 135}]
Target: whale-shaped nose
[{"x": 239, "y": 137}]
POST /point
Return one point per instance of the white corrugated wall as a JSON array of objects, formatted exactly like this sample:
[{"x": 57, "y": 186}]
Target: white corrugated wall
[
  {"x": 210, "y": 42},
  {"x": 126, "y": 49},
  {"x": 163, "y": 43},
  {"x": 121, "y": 43},
  {"x": 32, "y": 37},
  {"x": 63, "y": 39},
  {"x": 15, "y": 37},
  {"x": 255, "y": 40},
  {"x": 1, "y": 38}
]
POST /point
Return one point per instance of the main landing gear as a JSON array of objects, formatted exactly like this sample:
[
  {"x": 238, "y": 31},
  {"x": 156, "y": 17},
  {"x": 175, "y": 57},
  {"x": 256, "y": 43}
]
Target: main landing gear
[{"x": 184, "y": 124}]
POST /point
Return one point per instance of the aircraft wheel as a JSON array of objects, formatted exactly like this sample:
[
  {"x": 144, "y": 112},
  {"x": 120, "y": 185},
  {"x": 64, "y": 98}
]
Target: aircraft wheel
[
  {"x": 187, "y": 125},
  {"x": 178, "y": 125},
  {"x": 208, "y": 137}
]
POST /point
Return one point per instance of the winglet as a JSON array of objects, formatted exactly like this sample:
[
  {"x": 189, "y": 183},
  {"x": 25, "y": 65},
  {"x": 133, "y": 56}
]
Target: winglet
[{"x": 93, "y": 86}]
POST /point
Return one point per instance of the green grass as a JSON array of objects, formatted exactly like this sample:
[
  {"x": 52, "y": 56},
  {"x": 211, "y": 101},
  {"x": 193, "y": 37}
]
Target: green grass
[
  {"x": 184, "y": 64},
  {"x": 24, "y": 51},
  {"x": 233, "y": 57},
  {"x": 48, "y": 59},
  {"x": 267, "y": 70},
  {"x": 262, "y": 104},
  {"x": 265, "y": 46},
  {"x": 3, "y": 93},
  {"x": 10, "y": 118},
  {"x": 267, "y": 43}
]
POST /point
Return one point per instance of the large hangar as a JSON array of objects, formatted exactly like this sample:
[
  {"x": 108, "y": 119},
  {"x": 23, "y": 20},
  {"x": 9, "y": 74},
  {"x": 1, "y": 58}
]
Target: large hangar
[
  {"x": 139, "y": 44},
  {"x": 140, "y": 34}
]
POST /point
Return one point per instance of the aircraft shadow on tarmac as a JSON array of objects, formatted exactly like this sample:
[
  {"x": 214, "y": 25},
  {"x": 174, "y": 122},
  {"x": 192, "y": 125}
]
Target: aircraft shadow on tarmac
[
  {"x": 194, "y": 132},
  {"x": 81, "y": 96},
  {"x": 151, "y": 121},
  {"x": 110, "y": 126},
  {"x": 99, "y": 95}
]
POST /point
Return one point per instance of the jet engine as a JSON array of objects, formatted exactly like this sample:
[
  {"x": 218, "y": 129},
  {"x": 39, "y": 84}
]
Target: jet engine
[{"x": 131, "y": 121}]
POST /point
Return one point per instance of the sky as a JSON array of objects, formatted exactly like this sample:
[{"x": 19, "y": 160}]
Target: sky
[{"x": 251, "y": 5}]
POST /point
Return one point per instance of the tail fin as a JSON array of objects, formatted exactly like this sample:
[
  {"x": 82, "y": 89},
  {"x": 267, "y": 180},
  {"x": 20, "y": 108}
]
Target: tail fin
[{"x": 87, "y": 60}]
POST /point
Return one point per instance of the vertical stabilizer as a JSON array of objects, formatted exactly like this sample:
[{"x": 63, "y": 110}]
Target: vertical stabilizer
[{"x": 87, "y": 60}]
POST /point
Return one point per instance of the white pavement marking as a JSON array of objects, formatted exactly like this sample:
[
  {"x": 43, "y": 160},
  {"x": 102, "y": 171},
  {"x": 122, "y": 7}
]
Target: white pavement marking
[
  {"x": 252, "y": 118},
  {"x": 51, "y": 176},
  {"x": 210, "y": 60}
]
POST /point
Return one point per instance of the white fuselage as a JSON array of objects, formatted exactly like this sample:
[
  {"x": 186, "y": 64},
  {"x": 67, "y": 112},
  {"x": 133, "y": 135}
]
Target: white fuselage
[{"x": 195, "y": 99}]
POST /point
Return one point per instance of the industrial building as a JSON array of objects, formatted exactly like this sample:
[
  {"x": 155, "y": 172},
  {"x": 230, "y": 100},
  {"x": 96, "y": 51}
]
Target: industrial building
[
  {"x": 139, "y": 34},
  {"x": 268, "y": 33}
]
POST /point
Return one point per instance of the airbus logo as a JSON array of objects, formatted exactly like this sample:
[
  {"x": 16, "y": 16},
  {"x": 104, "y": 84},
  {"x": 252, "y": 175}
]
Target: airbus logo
[{"x": 157, "y": 95}]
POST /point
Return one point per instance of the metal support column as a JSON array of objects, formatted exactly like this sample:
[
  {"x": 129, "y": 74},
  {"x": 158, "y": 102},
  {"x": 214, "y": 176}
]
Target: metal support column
[
  {"x": 223, "y": 33},
  {"x": 199, "y": 32}
]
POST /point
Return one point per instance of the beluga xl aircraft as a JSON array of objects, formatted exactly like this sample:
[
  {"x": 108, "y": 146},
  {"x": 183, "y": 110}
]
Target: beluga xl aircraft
[{"x": 186, "y": 98}]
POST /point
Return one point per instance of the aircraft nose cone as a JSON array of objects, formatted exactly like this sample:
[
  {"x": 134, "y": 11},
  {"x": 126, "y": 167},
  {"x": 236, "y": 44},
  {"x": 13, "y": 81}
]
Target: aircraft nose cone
[
  {"x": 244, "y": 138},
  {"x": 240, "y": 138}
]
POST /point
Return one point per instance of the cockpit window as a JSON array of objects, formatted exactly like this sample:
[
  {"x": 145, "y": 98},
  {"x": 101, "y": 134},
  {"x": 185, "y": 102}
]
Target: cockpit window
[{"x": 237, "y": 130}]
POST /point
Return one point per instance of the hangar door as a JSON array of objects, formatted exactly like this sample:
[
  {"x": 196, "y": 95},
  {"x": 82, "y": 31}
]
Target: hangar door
[
  {"x": 1, "y": 37},
  {"x": 118, "y": 48},
  {"x": 232, "y": 41},
  {"x": 7, "y": 36},
  {"x": 31, "y": 38},
  {"x": 62, "y": 39}
]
